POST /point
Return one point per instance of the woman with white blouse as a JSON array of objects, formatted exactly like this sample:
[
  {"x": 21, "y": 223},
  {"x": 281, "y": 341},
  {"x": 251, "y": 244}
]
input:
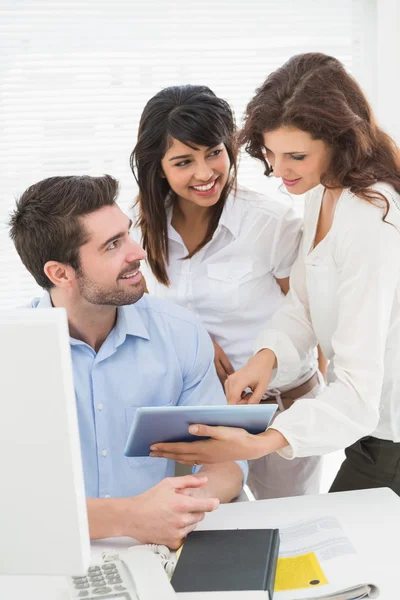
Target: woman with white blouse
[
  {"x": 311, "y": 125},
  {"x": 222, "y": 251}
]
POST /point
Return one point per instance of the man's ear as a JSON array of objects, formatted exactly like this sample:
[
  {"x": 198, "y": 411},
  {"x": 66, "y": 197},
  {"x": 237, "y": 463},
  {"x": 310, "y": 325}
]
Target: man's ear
[{"x": 60, "y": 275}]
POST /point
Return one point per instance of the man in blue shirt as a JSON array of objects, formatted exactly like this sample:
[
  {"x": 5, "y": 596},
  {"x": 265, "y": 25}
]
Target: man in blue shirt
[{"x": 128, "y": 350}]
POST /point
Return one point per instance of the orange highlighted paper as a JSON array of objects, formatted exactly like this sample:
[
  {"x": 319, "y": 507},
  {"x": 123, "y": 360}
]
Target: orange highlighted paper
[{"x": 299, "y": 572}]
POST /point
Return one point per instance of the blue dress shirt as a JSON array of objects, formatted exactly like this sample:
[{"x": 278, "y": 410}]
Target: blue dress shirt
[{"x": 157, "y": 354}]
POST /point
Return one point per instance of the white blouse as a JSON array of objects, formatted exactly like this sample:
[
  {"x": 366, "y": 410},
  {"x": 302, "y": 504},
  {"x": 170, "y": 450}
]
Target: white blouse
[
  {"x": 230, "y": 283},
  {"x": 345, "y": 294}
]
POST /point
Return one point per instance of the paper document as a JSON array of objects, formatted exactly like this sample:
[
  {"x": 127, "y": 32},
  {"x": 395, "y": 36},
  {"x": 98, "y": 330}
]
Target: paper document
[{"x": 317, "y": 560}]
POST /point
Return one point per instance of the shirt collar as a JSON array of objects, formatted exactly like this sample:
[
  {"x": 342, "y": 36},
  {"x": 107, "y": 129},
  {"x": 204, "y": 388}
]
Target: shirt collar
[
  {"x": 44, "y": 301},
  {"x": 230, "y": 218},
  {"x": 171, "y": 232},
  {"x": 129, "y": 321}
]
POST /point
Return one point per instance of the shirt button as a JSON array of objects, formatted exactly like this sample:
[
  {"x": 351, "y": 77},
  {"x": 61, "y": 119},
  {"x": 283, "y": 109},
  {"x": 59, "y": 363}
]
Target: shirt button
[
  {"x": 107, "y": 496},
  {"x": 100, "y": 406},
  {"x": 104, "y": 452}
]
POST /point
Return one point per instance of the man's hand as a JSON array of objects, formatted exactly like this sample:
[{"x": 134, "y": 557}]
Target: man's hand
[
  {"x": 167, "y": 512},
  {"x": 256, "y": 375},
  {"x": 222, "y": 363}
]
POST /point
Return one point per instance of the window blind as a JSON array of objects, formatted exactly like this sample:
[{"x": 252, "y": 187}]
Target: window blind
[{"x": 75, "y": 76}]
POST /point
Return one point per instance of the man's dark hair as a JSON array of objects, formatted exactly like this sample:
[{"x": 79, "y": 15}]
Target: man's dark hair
[{"x": 46, "y": 226}]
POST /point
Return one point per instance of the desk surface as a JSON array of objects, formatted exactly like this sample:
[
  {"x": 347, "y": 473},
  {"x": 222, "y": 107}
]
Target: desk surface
[{"x": 370, "y": 518}]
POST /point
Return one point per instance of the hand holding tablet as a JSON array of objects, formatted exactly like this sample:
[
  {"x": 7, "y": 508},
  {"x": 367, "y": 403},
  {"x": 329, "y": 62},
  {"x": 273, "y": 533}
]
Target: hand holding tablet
[{"x": 153, "y": 425}]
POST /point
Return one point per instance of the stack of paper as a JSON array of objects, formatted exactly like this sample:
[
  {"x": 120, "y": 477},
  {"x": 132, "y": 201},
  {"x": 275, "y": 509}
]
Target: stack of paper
[{"x": 317, "y": 561}]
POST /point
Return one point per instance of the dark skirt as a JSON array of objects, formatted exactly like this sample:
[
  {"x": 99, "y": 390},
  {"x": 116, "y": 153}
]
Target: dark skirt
[{"x": 369, "y": 463}]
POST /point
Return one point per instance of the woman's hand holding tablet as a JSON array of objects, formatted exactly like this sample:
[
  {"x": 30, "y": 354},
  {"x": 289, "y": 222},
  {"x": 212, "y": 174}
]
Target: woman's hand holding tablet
[
  {"x": 176, "y": 432},
  {"x": 223, "y": 444}
]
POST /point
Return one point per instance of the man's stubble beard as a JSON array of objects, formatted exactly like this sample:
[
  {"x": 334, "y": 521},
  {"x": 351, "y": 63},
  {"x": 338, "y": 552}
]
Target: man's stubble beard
[{"x": 97, "y": 295}]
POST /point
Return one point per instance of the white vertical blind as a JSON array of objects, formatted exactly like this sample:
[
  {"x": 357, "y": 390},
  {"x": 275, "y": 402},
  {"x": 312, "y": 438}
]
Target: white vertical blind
[
  {"x": 75, "y": 76},
  {"x": 388, "y": 52}
]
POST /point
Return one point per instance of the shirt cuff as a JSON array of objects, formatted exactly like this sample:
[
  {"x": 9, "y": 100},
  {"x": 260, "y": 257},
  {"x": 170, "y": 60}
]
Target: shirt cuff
[
  {"x": 288, "y": 452},
  {"x": 245, "y": 469},
  {"x": 288, "y": 359},
  {"x": 282, "y": 274}
]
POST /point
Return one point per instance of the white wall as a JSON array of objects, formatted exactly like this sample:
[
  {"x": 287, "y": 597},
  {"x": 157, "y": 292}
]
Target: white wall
[{"x": 388, "y": 68}]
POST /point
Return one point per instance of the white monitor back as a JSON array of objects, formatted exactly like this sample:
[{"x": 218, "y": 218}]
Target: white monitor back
[{"x": 43, "y": 517}]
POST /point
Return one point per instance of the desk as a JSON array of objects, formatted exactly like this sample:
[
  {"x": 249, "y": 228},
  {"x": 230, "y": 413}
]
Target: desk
[{"x": 370, "y": 518}]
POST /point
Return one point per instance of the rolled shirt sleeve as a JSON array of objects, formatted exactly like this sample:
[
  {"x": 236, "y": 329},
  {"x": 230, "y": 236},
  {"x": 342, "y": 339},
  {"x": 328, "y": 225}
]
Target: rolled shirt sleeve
[{"x": 286, "y": 243}]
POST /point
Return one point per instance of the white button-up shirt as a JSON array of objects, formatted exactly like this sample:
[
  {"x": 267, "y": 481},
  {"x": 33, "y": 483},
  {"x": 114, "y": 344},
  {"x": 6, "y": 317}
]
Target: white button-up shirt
[
  {"x": 345, "y": 294},
  {"x": 231, "y": 282}
]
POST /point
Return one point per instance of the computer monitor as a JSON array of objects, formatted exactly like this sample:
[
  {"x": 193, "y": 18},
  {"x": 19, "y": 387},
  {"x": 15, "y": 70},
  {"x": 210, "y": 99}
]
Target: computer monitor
[{"x": 43, "y": 518}]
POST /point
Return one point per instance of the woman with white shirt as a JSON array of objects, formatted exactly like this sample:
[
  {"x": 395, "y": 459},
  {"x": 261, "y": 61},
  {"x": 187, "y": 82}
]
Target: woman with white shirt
[
  {"x": 311, "y": 125},
  {"x": 222, "y": 251}
]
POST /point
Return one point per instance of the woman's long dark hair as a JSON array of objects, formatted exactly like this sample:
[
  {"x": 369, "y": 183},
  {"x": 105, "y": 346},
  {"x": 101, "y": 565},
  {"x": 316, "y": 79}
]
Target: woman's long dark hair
[
  {"x": 193, "y": 115},
  {"x": 313, "y": 92}
]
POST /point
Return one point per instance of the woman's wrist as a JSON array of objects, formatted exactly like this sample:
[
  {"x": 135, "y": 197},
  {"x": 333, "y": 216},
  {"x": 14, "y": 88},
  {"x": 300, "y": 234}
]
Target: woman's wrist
[{"x": 267, "y": 442}]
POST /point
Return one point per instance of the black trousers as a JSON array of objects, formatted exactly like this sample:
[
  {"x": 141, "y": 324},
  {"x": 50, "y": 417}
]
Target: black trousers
[{"x": 369, "y": 463}]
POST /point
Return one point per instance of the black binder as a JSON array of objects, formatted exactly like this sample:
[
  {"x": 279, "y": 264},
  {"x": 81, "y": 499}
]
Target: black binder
[{"x": 228, "y": 560}]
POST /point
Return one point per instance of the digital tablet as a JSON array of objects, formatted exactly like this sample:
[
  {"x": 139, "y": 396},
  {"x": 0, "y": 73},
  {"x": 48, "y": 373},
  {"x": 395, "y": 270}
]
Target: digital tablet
[{"x": 171, "y": 423}]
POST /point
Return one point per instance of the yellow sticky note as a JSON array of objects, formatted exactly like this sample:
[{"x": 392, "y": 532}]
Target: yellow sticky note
[
  {"x": 298, "y": 572},
  {"x": 178, "y": 552}
]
